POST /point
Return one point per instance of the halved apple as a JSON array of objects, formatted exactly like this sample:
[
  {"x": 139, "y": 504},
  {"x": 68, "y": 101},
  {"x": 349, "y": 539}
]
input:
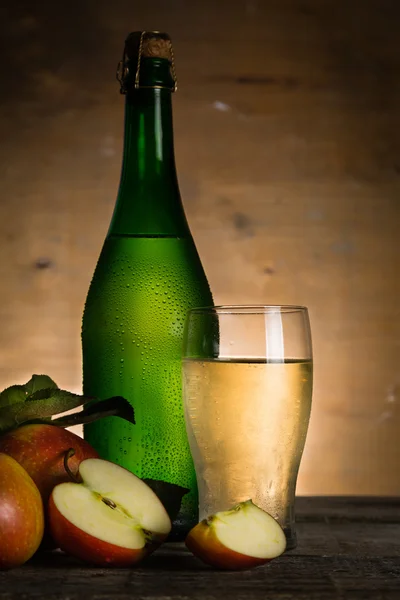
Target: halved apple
[
  {"x": 240, "y": 538},
  {"x": 111, "y": 518}
]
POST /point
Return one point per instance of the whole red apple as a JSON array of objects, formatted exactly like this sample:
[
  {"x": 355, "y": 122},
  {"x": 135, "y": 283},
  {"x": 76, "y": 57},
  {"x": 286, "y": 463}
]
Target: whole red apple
[
  {"x": 40, "y": 450},
  {"x": 21, "y": 514}
]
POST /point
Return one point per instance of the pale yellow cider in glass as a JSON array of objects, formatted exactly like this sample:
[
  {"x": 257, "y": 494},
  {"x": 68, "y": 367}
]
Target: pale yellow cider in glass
[{"x": 247, "y": 423}]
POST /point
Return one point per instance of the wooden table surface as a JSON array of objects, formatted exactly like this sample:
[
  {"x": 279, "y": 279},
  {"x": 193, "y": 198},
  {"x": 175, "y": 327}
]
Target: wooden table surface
[{"x": 349, "y": 548}]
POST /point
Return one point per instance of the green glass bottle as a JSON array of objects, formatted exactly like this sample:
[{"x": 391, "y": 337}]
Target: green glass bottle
[{"x": 148, "y": 276}]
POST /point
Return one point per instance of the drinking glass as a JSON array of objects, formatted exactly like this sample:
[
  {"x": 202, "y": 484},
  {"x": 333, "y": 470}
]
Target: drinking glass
[{"x": 247, "y": 386}]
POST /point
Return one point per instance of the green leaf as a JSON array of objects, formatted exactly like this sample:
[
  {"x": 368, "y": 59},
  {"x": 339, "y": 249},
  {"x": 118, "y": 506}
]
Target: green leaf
[
  {"x": 170, "y": 495},
  {"x": 41, "y": 404},
  {"x": 51, "y": 401},
  {"x": 14, "y": 394},
  {"x": 40, "y": 382},
  {"x": 40, "y": 399},
  {"x": 19, "y": 393}
]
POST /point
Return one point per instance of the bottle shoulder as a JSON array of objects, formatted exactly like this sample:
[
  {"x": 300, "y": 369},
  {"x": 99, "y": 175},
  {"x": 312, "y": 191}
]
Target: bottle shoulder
[{"x": 131, "y": 263}]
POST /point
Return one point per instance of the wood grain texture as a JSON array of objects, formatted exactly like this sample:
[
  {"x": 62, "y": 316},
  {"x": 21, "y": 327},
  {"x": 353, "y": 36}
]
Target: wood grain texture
[
  {"x": 349, "y": 549},
  {"x": 288, "y": 149}
]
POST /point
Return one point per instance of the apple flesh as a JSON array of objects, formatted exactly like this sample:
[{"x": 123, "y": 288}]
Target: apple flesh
[
  {"x": 112, "y": 518},
  {"x": 21, "y": 514},
  {"x": 40, "y": 450},
  {"x": 240, "y": 538}
]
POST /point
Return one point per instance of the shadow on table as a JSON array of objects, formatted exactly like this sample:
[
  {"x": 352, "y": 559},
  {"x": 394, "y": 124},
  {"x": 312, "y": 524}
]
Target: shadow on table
[{"x": 171, "y": 557}]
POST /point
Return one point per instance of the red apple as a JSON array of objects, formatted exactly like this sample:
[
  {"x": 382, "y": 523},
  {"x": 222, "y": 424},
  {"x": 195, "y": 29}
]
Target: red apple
[
  {"x": 21, "y": 514},
  {"x": 240, "y": 538},
  {"x": 40, "y": 449},
  {"x": 111, "y": 518}
]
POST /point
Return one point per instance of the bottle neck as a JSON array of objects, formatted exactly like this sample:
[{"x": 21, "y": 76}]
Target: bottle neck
[
  {"x": 148, "y": 141},
  {"x": 149, "y": 202}
]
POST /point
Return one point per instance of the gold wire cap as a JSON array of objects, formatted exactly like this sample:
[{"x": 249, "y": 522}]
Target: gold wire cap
[{"x": 141, "y": 44}]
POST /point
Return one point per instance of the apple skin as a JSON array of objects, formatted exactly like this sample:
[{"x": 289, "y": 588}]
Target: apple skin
[
  {"x": 88, "y": 548},
  {"x": 203, "y": 543},
  {"x": 21, "y": 514},
  {"x": 40, "y": 450}
]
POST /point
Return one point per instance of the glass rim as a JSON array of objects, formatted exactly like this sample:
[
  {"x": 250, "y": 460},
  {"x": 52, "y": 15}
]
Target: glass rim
[{"x": 249, "y": 309}]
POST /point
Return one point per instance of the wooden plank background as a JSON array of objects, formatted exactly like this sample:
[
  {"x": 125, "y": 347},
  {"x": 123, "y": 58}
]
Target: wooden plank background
[{"x": 288, "y": 149}]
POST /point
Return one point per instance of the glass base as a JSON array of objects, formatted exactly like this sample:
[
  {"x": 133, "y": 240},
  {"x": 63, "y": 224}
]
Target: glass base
[{"x": 291, "y": 538}]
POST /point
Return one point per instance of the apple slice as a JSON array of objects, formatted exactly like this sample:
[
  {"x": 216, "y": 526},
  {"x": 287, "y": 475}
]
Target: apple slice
[
  {"x": 240, "y": 538},
  {"x": 111, "y": 518}
]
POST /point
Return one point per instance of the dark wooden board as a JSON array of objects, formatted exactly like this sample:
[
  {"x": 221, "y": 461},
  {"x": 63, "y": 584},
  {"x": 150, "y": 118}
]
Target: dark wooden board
[{"x": 349, "y": 548}]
